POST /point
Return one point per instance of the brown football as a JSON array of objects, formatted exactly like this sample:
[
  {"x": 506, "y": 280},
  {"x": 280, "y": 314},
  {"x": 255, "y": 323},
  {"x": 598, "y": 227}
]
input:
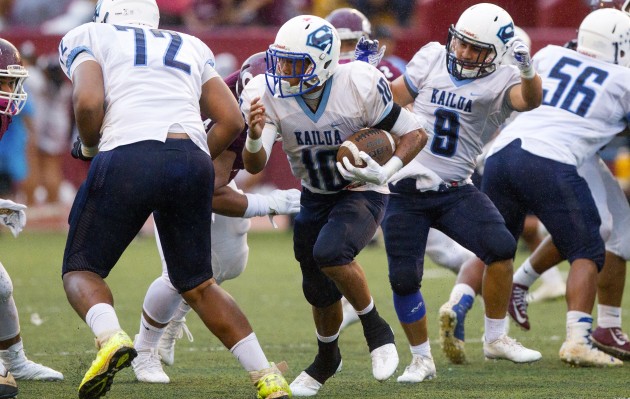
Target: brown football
[{"x": 377, "y": 143}]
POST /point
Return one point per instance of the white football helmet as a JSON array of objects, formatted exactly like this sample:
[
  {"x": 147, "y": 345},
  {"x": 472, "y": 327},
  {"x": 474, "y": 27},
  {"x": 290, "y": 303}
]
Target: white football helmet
[
  {"x": 127, "y": 12},
  {"x": 486, "y": 27},
  {"x": 605, "y": 35},
  {"x": 309, "y": 47},
  {"x": 13, "y": 74}
]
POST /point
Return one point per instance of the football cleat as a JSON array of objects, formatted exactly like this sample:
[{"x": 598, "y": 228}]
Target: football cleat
[
  {"x": 148, "y": 367},
  {"x": 8, "y": 386},
  {"x": 305, "y": 385},
  {"x": 518, "y": 306},
  {"x": 114, "y": 355},
  {"x": 174, "y": 330},
  {"x": 384, "y": 361},
  {"x": 452, "y": 316},
  {"x": 612, "y": 341},
  {"x": 582, "y": 353},
  {"x": 350, "y": 315},
  {"x": 509, "y": 349},
  {"x": 270, "y": 384},
  {"x": 23, "y": 369},
  {"x": 422, "y": 368},
  {"x": 547, "y": 292}
]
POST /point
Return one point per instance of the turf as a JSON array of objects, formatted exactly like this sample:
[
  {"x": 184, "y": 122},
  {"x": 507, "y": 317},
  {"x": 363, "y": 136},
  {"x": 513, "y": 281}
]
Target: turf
[{"x": 269, "y": 291}]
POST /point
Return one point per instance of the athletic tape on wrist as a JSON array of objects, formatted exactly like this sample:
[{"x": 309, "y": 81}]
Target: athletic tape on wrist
[{"x": 252, "y": 145}]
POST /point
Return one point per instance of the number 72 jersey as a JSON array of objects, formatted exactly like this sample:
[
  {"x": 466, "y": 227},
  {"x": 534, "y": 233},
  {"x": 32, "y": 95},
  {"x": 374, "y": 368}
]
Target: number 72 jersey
[
  {"x": 586, "y": 102},
  {"x": 152, "y": 79}
]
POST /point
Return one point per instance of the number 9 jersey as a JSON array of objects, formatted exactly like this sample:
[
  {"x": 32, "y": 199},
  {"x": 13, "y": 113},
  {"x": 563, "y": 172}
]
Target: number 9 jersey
[{"x": 168, "y": 67}]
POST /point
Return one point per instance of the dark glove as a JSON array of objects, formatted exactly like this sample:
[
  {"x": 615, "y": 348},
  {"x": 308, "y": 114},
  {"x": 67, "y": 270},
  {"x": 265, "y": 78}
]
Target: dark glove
[{"x": 77, "y": 151}]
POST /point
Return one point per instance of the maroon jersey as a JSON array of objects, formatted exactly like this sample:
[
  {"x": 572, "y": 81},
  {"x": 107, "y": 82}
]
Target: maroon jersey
[
  {"x": 239, "y": 143},
  {"x": 389, "y": 70}
]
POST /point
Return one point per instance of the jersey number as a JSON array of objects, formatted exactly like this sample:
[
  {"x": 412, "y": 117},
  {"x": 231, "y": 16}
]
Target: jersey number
[
  {"x": 445, "y": 132},
  {"x": 171, "y": 50},
  {"x": 575, "y": 84},
  {"x": 386, "y": 92},
  {"x": 322, "y": 172}
]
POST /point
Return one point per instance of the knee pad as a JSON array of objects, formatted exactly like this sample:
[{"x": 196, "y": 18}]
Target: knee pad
[
  {"x": 410, "y": 308},
  {"x": 405, "y": 281},
  {"x": 6, "y": 286},
  {"x": 500, "y": 247},
  {"x": 319, "y": 290}
]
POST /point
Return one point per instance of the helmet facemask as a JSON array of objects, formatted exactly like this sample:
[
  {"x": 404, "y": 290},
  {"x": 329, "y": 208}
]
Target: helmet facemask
[
  {"x": 484, "y": 65},
  {"x": 12, "y": 102},
  {"x": 282, "y": 65}
]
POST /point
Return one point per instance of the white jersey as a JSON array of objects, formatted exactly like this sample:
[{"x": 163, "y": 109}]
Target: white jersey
[
  {"x": 586, "y": 103},
  {"x": 463, "y": 114},
  {"x": 357, "y": 96},
  {"x": 152, "y": 80}
]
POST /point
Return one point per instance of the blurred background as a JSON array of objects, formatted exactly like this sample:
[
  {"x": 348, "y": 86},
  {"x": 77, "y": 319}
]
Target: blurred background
[{"x": 35, "y": 165}]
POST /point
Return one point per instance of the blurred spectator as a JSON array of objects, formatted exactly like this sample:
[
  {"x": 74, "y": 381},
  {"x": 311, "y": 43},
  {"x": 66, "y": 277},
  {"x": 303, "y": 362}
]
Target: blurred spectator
[
  {"x": 322, "y": 8},
  {"x": 385, "y": 37},
  {"x": 386, "y": 12},
  {"x": 172, "y": 12},
  {"x": 53, "y": 125},
  {"x": 13, "y": 163},
  {"x": 225, "y": 64},
  {"x": 32, "y": 13},
  {"x": 77, "y": 13}
]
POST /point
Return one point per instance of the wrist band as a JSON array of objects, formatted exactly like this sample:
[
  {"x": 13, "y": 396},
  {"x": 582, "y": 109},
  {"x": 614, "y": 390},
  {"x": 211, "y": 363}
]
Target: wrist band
[
  {"x": 252, "y": 145},
  {"x": 89, "y": 152},
  {"x": 528, "y": 73}
]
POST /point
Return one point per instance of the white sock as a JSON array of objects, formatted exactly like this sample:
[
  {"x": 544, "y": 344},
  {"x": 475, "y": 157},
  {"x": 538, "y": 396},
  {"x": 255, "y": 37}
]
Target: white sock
[
  {"x": 102, "y": 319},
  {"x": 461, "y": 289},
  {"x": 327, "y": 340},
  {"x": 9, "y": 319},
  {"x": 368, "y": 309},
  {"x": 3, "y": 371},
  {"x": 552, "y": 276},
  {"x": 182, "y": 310},
  {"x": 526, "y": 275},
  {"x": 149, "y": 336},
  {"x": 249, "y": 353},
  {"x": 495, "y": 328},
  {"x": 608, "y": 316},
  {"x": 424, "y": 349},
  {"x": 578, "y": 325}
]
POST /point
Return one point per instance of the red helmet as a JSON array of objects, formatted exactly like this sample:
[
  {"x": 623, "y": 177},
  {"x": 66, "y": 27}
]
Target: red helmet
[
  {"x": 350, "y": 23},
  {"x": 12, "y": 74},
  {"x": 253, "y": 66}
]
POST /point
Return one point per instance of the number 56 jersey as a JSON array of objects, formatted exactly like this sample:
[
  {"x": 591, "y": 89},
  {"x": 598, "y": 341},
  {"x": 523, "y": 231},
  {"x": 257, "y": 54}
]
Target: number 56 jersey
[
  {"x": 356, "y": 96},
  {"x": 152, "y": 80},
  {"x": 586, "y": 102}
]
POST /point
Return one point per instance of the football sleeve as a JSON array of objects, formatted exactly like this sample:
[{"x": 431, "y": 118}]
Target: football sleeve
[
  {"x": 419, "y": 66},
  {"x": 75, "y": 48}
]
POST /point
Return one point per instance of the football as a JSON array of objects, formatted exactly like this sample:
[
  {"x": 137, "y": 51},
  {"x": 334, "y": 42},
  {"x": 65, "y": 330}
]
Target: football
[{"x": 377, "y": 143}]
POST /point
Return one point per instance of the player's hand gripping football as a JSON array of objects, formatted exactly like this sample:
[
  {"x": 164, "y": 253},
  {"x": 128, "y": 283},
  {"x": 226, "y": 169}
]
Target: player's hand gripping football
[
  {"x": 372, "y": 173},
  {"x": 367, "y": 51},
  {"x": 522, "y": 56},
  {"x": 78, "y": 151}
]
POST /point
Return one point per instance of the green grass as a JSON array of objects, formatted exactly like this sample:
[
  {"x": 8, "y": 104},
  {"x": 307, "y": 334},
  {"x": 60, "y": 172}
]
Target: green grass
[{"x": 269, "y": 292}]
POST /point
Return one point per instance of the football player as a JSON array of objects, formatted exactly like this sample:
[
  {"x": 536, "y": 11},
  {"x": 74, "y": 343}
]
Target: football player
[
  {"x": 314, "y": 104},
  {"x": 13, "y": 362},
  {"x": 150, "y": 155},
  {"x": 163, "y": 304},
  {"x": 533, "y": 164},
  {"x": 466, "y": 94}
]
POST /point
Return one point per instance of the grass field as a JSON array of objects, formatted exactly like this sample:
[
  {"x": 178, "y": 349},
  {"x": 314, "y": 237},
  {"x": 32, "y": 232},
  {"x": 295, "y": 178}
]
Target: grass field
[{"x": 270, "y": 294}]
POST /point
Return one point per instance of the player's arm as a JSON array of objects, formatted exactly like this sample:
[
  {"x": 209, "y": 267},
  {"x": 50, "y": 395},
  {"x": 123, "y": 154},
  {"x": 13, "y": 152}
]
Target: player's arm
[
  {"x": 218, "y": 103},
  {"x": 88, "y": 99},
  {"x": 401, "y": 91},
  {"x": 260, "y": 137},
  {"x": 527, "y": 95}
]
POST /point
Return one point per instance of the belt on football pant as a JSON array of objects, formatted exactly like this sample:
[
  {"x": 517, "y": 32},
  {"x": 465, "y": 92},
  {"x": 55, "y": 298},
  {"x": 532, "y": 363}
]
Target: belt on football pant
[{"x": 446, "y": 186}]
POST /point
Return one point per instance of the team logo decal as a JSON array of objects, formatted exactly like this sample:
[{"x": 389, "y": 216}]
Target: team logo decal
[
  {"x": 506, "y": 32},
  {"x": 321, "y": 38}
]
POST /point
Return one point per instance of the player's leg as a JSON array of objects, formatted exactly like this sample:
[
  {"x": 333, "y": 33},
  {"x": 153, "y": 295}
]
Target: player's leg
[
  {"x": 183, "y": 219},
  {"x": 445, "y": 252},
  {"x": 101, "y": 227},
  {"x": 405, "y": 237},
  {"x": 476, "y": 224},
  {"x": 12, "y": 355}
]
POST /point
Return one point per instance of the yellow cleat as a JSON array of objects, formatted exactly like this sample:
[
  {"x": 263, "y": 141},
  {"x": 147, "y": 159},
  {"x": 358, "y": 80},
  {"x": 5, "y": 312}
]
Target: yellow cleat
[
  {"x": 270, "y": 383},
  {"x": 114, "y": 355}
]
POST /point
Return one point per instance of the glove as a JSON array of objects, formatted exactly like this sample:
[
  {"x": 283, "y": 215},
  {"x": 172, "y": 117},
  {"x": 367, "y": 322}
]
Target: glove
[
  {"x": 79, "y": 151},
  {"x": 522, "y": 57},
  {"x": 12, "y": 215},
  {"x": 372, "y": 173},
  {"x": 283, "y": 202},
  {"x": 367, "y": 51}
]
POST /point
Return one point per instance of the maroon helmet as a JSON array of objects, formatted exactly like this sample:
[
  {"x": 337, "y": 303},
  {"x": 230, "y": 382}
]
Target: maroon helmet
[
  {"x": 12, "y": 74},
  {"x": 351, "y": 24},
  {"x": 255, "y": 65}
]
